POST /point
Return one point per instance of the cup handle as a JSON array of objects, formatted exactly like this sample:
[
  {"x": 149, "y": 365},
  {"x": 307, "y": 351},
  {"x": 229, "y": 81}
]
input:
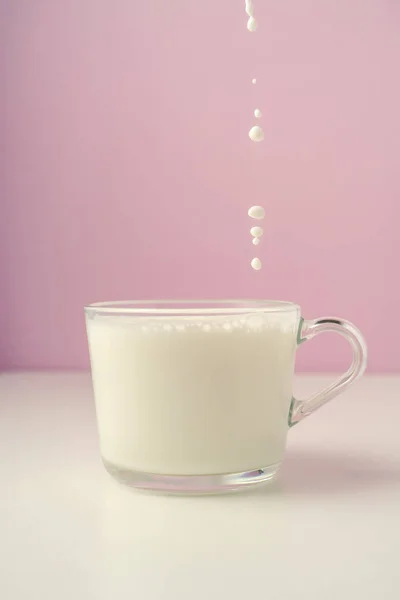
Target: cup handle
[{"x": 299, "y": 409}]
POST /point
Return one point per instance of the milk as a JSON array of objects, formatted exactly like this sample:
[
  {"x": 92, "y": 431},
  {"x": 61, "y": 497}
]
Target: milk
[
  {"x": 256, "y": 134},
  {"x": 192, "y": 395}
]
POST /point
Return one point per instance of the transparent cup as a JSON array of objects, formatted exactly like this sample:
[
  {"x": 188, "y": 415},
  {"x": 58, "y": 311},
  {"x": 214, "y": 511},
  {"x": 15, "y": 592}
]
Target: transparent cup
[{"x": 196, "y": 396}]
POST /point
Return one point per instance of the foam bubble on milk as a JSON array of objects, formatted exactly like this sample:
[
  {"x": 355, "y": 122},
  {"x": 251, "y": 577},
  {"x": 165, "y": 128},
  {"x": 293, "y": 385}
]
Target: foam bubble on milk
[{"x": 171, "y": 326}]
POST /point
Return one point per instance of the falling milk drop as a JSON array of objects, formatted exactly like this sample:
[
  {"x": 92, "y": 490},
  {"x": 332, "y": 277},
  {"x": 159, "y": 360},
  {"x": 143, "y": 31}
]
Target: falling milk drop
[
  {"x": 256, "y": 264},
  {"x": 252, "y": 24},
  {"x": 256, "y": 212},
  {"x": 256, "y": 134},
  {"x": 258, "y": 113},
  {"x": 256, "y": 241},
  {"x": 254, "y": 81},
  {"x": 256, "y": 231},
  {"x": 249, "y": 8}
]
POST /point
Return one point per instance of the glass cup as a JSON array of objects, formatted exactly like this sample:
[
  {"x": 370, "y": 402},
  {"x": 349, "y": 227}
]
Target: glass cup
[{"x": 196, "y": 396}]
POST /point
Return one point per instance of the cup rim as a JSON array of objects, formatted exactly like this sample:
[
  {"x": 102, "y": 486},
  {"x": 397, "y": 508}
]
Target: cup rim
[{"x": 190, "y": 307}]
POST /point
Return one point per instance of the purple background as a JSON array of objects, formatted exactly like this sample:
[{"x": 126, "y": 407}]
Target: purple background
[{"x": 128, "y": 172}]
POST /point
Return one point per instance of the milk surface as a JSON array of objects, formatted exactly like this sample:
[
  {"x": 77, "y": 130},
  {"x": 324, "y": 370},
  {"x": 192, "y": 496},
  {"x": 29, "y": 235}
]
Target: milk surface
[{"x": 192, "y": 395}]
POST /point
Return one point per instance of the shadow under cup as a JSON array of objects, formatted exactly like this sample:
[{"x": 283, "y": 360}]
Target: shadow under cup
[{"x": 196, "y": 397}]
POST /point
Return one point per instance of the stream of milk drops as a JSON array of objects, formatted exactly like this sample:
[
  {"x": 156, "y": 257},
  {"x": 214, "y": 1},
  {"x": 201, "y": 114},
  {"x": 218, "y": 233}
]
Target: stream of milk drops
[{"x": 256, "y": 134}]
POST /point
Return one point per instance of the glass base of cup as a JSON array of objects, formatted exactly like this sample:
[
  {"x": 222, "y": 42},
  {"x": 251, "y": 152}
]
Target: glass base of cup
[{"x": 192, "y": 484}]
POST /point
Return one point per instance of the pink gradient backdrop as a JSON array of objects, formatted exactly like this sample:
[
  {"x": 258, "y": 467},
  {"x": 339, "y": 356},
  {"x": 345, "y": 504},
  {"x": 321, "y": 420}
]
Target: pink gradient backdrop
[{"x": 128, "y": 171}]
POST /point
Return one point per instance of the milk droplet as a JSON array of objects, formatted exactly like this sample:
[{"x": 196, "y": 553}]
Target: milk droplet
[
  {"x": 257, "y": 231},
  {"x": 249, "y": 8},
  {"x": 256, "y": 134},
  {"x": 256, "y": 264},
  {"x": 256, "y": 212},
  {"x": 254, "y": 81},
  {"x": 256, "y": 241},
  {"x": 252, "y": 24},
  {"x": 258, "y": 113}
]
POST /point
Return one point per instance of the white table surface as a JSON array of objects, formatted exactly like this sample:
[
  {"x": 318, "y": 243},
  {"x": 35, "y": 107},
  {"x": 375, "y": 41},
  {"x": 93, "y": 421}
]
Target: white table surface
[{"x": 328, "y": 529}]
